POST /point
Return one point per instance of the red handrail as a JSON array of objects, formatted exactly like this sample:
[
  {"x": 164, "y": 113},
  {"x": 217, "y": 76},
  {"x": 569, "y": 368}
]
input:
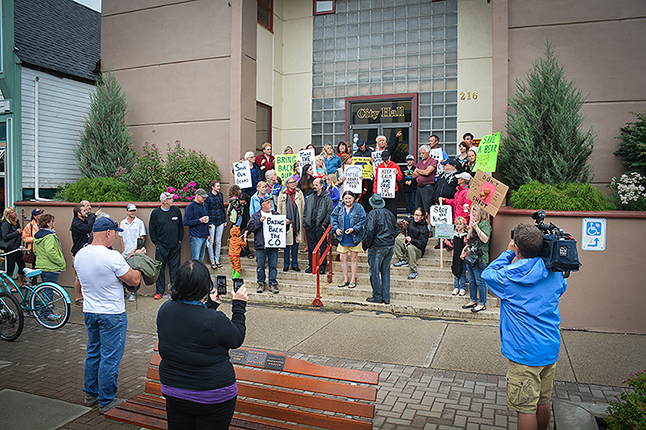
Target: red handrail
[{"x": 315, "y": 264}]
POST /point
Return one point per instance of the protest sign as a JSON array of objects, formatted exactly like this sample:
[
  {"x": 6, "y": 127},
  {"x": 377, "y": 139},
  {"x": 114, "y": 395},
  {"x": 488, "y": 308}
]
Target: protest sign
[
  {"x": 366, "y": 166},
  {"x": 274, "y": 231},
  {"x": 376, "y": 156},
  {"x": 439, "y": 156},
  {"x": 386, "y": 182},
  {"x": 445, "y": 231},
  {"x": 353, "y": 179},
  {"x": 285, "y": 165},
  {"x": 242, "y": 174},
  {"x": 306, "y": 156},
  {"x": 488, "y": 153},
  {"x": 441, "y": 214},
  {"x": 487, "y": 192}
]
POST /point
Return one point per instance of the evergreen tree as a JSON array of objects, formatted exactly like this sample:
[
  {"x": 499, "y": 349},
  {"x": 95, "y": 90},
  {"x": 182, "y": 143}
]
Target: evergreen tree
[
  {"x": 106, "y": 144},
  {"x": 544, "y": 142},
  {"x": 633, "y": 145}
]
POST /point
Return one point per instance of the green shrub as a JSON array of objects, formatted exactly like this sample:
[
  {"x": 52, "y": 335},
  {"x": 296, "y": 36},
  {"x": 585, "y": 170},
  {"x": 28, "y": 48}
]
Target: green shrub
[
  {"x": 96, "y": 190},
  {"x": 633, "y": 144},
  {"x": 563, "y": 197},
  {"x": 629, "y": 412},
  {"x": 184, "y": 165},
  {"x": 146, "y": 179},
  {"x": 629, "y": 192}
]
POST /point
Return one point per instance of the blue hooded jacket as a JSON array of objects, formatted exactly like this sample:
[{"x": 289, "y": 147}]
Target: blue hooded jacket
[{"x": 529, "y": 312}]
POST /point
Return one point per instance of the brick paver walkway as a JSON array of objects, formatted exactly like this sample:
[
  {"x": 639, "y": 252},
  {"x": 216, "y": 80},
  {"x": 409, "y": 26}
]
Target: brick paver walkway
[{"x": 50, "y": 364}]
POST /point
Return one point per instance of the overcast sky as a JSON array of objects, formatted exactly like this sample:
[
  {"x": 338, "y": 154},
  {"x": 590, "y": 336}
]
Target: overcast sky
[{"x": 92, "y": 4}]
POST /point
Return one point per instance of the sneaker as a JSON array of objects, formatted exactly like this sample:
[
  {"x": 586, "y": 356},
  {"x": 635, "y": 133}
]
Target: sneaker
[
  {"x": 273, "y": 288},
  {"x": 52, "y": 317},
  {"x": 296, "y": 269},
  {"x": 462, "y": 292},
  {"x": 261, "y": 287},
  {"x": 157, "y": 296},
  {"x": 112, "y": 404},
  {"x": 308, "y": 270},
  {"x": 455, "y": 291},
  {"x": 401, "y": 263},
  {"x": 132, "y": 297},
  {"x": 286, "y": 269},
  {"x": 412, "y": 275},
  {"x": 89, "y": 400}
]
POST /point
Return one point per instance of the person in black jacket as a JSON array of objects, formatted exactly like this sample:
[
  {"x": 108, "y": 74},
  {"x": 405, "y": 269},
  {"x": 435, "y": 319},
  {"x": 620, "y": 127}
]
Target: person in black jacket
[
  {"x": 81, "y": 229},
  {"x": 11, "y": 238},
  {"x": 166, "y": 232},
  {"x": 447, "y": 183},
  {"x": 197, "y": 377},
  {"x": 316, "y": 218},
  {"x": 381, "y": 230},
  {"x": 414, "y": 244}
]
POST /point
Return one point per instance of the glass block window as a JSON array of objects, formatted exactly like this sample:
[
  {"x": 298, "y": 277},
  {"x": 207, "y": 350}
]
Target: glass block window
[{"x": 386, "y": 47}]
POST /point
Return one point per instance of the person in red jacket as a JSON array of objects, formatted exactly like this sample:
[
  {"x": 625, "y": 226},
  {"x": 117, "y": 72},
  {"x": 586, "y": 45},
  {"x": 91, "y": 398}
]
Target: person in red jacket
[
  {"x": 460, "y": 204},
  {"x": 387, "y": 163},
  {"x": 265, "y": 161}
]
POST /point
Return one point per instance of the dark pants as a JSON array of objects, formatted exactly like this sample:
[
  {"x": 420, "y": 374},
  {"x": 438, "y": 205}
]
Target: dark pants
[
  {"x": 15, "y": 259},
  {"x": 184, "y": 415},
  {"x": 424, "y": 197},
  {"x": 367, "y": 183},
  {"x": 314, "y": 234},
  {"x": 409, "y": 197},
  {"x": 391, "y": 205},
  {"x": 170, "y": 257},
  {"x": 379, "y": 260},
  {"x": 291, "y": 251}
]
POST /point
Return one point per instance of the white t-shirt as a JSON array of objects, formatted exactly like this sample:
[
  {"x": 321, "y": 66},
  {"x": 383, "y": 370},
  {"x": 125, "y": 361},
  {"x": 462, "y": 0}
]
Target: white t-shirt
[
  {"x": 131, "y": 232},
  {"x": 98, "y": 269}
]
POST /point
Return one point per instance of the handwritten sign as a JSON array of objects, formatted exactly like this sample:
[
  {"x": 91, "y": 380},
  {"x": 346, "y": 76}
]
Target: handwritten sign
[
  {"x": 439, "y": 156},
  {"x": 488, "y": 153},
  {"x": 487, "y": 192},
  {"x": 306, "y": 156},
  {"x": 242, "y": 174},
  {"x": 386, "y": 182},
  {"x": 285, "y": 165},
  {"x": 441, "y": 214},
  {"x": 376, "y": 156},
  {"x": 274, "y": 231},
  {"x": 353, "y": 179},
  {"x": 366, "y": 166},
  {"x": 444, "y": 231}
]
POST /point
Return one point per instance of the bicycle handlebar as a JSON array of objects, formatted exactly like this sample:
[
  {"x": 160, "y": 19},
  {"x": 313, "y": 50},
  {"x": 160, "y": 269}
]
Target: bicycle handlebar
[{"x": 20, "y": 248}]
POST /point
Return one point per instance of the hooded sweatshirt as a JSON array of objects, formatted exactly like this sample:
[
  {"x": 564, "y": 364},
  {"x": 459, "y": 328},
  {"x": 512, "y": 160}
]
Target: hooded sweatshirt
[
  {"x": 529, "y": 313},
  {"x": 49, "y": 255}
]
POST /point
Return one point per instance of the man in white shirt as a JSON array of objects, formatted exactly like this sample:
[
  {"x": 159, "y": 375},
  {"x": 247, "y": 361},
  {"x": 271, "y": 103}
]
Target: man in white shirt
[
  {"x": 133, "y": 229},
  {"x": 101, "y": 271}
]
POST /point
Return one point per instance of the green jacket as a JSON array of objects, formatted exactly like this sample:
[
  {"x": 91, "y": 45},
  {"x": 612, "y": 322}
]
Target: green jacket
[{"x": 49, "y": 255}]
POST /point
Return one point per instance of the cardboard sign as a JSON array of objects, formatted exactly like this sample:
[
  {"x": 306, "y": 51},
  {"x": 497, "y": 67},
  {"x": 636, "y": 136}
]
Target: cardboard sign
[
  {"x": 284, "y": 165},
  {"x": 441, "y": 214},
  {"x": 444, "y": 231},
  {"x": 439, "y": 156},
  {"x": 487, "y": 192},
  {"x": 366, "y": 166},
  {"x": 306, "y": 156},
  {"x": 274, "y": 231},
  {"x": 376, "y": 156},
  {"x": 386, "y": 181},
  {"x": 353, "y": 179},
  {"x": 242, "y": 174},
  {"x": 487, "y": 157}
]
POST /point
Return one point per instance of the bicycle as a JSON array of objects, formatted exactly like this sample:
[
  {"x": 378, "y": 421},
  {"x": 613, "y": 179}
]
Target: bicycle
[
  {"x": 12, "y": 320},
  {"x": 47, "y": 302}
]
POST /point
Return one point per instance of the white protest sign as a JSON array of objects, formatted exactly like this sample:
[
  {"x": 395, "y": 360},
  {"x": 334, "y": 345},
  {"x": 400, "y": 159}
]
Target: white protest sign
[
  {"x": 274, "y": 231},
  {"x": 386, "y": 181},
  {"x": 441, "y": 214},
  {"x": 242, "y": 174},
  {"x": 439, "y": 156},
  {"x": 306, "y": 156},
  {"x": 353, "y": 179},
  {"x": 376, "y": 156}
]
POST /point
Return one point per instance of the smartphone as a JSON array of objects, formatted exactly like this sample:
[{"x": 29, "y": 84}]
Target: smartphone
[
  {"x": 140, "y": 243},
  {"x": 222, "y": 285},
  {"x": 237, "y": 283}
]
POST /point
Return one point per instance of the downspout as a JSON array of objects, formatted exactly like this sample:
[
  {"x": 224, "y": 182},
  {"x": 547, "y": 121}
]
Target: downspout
[{"x": 36, "y": 182}]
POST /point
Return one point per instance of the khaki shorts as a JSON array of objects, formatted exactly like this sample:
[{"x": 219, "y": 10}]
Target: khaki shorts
[
  {"x": 345, "y": 249},
  {"x": 529, "y": 386}
]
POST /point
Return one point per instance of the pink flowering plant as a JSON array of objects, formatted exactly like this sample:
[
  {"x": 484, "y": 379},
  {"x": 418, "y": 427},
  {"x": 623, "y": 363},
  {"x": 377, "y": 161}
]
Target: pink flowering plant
[{"x": 184, "y": 194}]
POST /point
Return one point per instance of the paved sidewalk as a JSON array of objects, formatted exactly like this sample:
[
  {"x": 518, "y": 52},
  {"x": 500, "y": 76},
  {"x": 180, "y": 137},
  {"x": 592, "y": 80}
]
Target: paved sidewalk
[{"x": 433, "y": 374}]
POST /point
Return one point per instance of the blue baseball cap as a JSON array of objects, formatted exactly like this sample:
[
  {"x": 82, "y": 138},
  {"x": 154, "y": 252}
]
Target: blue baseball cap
[{"x": 104, "y": 224}]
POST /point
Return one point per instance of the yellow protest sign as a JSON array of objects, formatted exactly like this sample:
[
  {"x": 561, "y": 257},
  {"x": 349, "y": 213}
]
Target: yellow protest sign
[
  {"x": 284, "y": 165},
  {"x": 488, "y": 153},
  {"x": 365, "y": 164}
]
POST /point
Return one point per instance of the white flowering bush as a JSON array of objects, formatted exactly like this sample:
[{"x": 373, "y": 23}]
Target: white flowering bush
[{"x": 629, "y": 192}]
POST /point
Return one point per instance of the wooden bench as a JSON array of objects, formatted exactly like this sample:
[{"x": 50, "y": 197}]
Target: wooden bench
[{"x": 274, "y": 392}]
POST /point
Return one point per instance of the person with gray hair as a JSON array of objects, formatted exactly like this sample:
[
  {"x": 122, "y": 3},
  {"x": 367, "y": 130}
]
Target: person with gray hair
[
  {"x": 273, "y": 186},
  {"x": 256, "y": 174},
  {"x": 424, "y": 174},
  {"x": 166, "y": 233}
]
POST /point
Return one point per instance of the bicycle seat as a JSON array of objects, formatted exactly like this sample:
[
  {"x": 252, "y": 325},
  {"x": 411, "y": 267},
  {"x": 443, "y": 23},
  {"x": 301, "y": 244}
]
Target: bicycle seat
[{"x": 30, "y": 273}]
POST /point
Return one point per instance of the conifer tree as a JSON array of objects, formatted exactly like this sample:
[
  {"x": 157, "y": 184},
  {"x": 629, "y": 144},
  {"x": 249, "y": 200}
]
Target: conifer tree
[
  {"x": 543, "y": 141},
  {"x": 106, "y": 143},
  {"x": 632, "y": 147}
]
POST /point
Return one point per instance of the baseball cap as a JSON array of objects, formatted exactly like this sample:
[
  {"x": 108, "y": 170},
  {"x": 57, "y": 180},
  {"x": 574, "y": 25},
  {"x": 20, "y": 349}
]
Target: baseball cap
[
  {"x": 104, "y": 224},
  {"x": 131, "y": 207},
  {"x": 360, "y": 142},
  {"x": 464, "y": 175},
  {"x": 37, "y": 211},
  {"x": 200, "y": 192},
  {"x": 449, "y": 161},
  {"x": 385, "y": 154},
  {"x": 410, "y": 157},
  {"x": 165, "y": 196},
  {"x": 265, "y": 198}
]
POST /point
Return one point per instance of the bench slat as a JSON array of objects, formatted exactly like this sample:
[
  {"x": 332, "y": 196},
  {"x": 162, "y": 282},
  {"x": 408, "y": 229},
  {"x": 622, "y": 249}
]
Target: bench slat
[
  {"x": 127, "y": 417},
  {"x": 254, "y": 423}
]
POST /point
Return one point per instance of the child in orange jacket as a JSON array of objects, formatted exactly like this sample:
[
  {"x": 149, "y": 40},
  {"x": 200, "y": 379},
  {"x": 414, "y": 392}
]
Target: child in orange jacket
[{"x": 236, "y": 243}]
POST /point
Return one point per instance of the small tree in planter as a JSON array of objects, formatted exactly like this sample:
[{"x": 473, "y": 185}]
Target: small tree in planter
[
  {"x": 632, "y": 147},
  {"x": 544, "y": 142}
]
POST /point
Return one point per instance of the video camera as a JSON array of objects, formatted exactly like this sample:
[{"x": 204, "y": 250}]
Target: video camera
[{"x": 559, "y": 248}]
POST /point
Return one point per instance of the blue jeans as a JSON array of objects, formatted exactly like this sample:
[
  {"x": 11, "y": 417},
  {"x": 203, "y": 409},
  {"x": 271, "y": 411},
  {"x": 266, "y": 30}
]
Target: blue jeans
[
  {"x": 379, "y": 261},
  {"x": 49, "y": 277},
  {"x": 198, "y": 247},
  {"x": 263, "y": 256},
  {"x": 410, "y": 202},
  {"x": 106, "y": 341},
  {"x": 215, "y": 235},
  {"x": 293, "y": 251},
  {"x": 477, "y": 286},
  {"x": 460, "y": 282}
]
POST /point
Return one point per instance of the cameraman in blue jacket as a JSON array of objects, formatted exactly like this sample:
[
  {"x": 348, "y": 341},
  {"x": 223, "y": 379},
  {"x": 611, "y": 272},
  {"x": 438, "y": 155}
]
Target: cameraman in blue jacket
[{"x": 529, "y": 324}]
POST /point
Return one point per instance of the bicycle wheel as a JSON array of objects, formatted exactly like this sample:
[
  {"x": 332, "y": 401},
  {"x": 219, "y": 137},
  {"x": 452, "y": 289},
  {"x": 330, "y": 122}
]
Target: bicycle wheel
[
  {"x": 50, "y": 308},
  {"x": 12, "y": 320}
]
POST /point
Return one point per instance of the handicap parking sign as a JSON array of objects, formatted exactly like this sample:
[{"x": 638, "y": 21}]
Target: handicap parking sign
[{"x": 593, "y": 234}]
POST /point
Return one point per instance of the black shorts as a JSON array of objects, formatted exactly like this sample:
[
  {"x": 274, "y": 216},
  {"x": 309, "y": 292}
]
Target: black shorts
[{"x": 424, "y": 197}]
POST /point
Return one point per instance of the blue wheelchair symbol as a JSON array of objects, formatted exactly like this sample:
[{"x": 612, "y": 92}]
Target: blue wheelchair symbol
[{"x": 593, "y": 229}]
